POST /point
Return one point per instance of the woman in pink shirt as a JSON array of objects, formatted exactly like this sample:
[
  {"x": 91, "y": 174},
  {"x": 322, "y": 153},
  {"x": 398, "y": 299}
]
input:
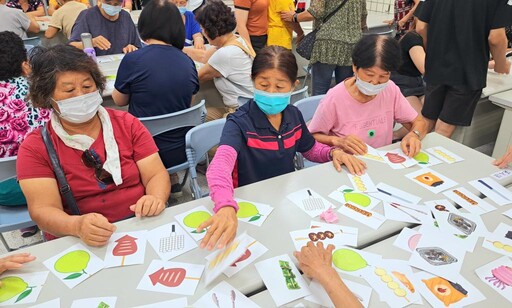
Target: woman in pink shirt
[{"x": 363, "y": 109}]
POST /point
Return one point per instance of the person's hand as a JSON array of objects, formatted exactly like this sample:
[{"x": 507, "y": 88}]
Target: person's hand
[
  {"x": 129, "y": 48},
  {"x": 94, "y": 229},
  {"x": 389, "y": 22},
  {"x": 148, "y": 205},
  {"x": 300, "y": 37},
  {"x": 504, "y": 160},
  {"x": 287, "y": 16},
  {"x": 354, "y": 165},
  {"x": 199, "y": 44},
  {"x": 101, "y": 43},
  {"x": 411, "y": 144},
  {"x": 490, "y": 65},
  {"x": 503, "y": 69},
  {"x": 222, "y": 228},
  {"x": 402, "y": 23},
  {"x": 15, "y": 261},
  {"x": 315, "y": 261},
  {"x": 351, "y": 144}
]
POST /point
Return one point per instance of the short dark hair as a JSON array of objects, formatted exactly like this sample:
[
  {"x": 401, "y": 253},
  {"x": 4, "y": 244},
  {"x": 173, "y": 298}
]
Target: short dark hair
[
  {"x": 161, "y": 20},
  {"x": 216, "y": 19},
  {"x": 276, "y": 57},
  {"x": 380, "y": 50},
  {"x": 48, "y": 62},
  {"x": 12, "y": 55}
]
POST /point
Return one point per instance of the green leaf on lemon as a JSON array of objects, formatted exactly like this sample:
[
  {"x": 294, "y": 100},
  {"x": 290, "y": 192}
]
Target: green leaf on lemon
[
  {"x": 73, "y": 276},
  {"x": 23, "y": 295}
]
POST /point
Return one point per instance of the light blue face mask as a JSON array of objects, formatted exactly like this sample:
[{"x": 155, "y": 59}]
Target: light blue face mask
[
  {"x": 182, "y": 9},
  {"x": 271, "y": 103},
  {"x": 111, "y": 10}
]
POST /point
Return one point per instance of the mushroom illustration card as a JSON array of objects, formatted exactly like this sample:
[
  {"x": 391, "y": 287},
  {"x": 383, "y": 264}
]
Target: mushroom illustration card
[
  {"x": 396, "y": 159},
  {"x": 369, "y": 218},
  {"x": 309, "y": 201},
  {"x": 441, "y": 292},
  {"x": 126, "y": 248},
  {"x": 445, "y": 155},
  {"x": 389, "y": 193},
  {"x": 406, "y": 212},
  {"x": 498, "y": 276},
  {"x": 431, "y": 180},
  {"x": 362, "y": 183},
  {"x": 99, "y": 302},
  {"x": 439, "y": 255},
  {"x": 469, "y": 201},
  {"x": 54, "y": 303},
  {"x": 326, "y": 235},
  {"x": 192, "y": 219},
  {"x": 74, "y": 265},
  {"x": 252, "y": 212},
  {"x": 500, "y": 240},
  {"x": 181, "y": 302},
  {"x": 349, "y": 233},
  {"x": 170, "y": 240},
  {"x": 171, "y": 277},
  {"x": 493, "y": 190},
  {"x": 346, "y": 194},
  {"x": 17, "y": 288},
  {"x": 252, "y": 252},
  {"x": 282, "y": 279},
  {"x": 319, "y": 295},
  {"x": 426, "y": 160},
  {"x": 407, "y": 239},
  {"x": 372, "y": 154},
  {"x": 353, "y": 261},
  {"x": 224, "y": 295}
]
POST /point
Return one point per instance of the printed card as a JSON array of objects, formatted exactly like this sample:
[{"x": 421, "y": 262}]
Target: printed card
[
  {"x": 192, "y": 219},
  {"x": 445, "y": 155},
  {"x": 471, "y": 202},
  {"x": 310, "y": 202},
  {"x": 396, "y": 159},
  {"x": 170, "y": 240},
  {"x": 431, "y": 180},
  {"x": 252, "y": 212},
  {"x": 346, "y": 194},
  {"x": 497, "y": 276},
  {"x": 127, "y": 248},
  {"x": 493, "y": 190}
]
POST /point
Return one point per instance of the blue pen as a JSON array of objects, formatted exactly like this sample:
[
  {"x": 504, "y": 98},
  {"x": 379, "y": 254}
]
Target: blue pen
[
  {"x": 496, "y": 191},
  {"x": 391, "y": 195}
]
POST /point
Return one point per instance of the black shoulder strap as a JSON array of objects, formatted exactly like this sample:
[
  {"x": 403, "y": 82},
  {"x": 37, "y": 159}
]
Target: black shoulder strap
[
  {"x": 64, "y": 187},
  {"x": 326, "y": 18}
]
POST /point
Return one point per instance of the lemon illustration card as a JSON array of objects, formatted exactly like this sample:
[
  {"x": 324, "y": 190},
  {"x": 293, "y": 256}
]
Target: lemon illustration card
[
  {"x": 252, "y": 212},
  {"x": 126, "y": 248},
  {"x": 181, "y": 302},
  {"x": 362, "y": 183},
  {"x": 224, "y": 295},
  {"x": 445, "y": 155},
  {"x": 431, "y": 180},
  {"x": 426, "y": 160},
  {"x": 192, "y": 219},
  {"x": 500, "y": 240},
  {"x": 17, "y": 288},
  {"x": 493, "y": 190},
  {"x": 320, "y": 297},
  {"x": 353, "y": 261},
  {"x": 309, "y": 201},
  {"x": 497, "y": 275},
  {"x": 100, "y": 302},
  {"x": 346, "y": 194},
  {"x": 171, "y": 277},
  {"x": 349, "y": 234},
  {"x": 170, "y": 240},
  {"x": 74, "y": 265},
  {"x": 252, "y": 252},
  {"x": 469, "y": 201},
  {"x": 54, "y": 303},
  {"x": 396, "y": 159}
]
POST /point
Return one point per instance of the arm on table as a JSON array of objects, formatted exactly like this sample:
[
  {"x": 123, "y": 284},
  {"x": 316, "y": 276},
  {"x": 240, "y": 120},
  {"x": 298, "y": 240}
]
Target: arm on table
[
  {"x": 33, "y": 27},
  {"x": 198, "y": 41},
  {"x": 14, "y": 261},
  {"x": 51, "y": 32},
  {"x": 411, "y": 143},
  {"x": 350, "y": 144}
]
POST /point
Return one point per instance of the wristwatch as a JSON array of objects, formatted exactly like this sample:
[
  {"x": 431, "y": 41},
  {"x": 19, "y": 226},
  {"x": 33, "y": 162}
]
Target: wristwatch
[
  {"x": 417, "y": 133},
  {"x": 295, "y": 18}
]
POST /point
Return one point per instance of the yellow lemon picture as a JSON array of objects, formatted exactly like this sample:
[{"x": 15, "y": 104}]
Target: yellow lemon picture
[
  {"x": 195, "y": 219},
  {"x": 246, "y": 210},
  {"x": 12, "y": 286},
  {"x": 74, "y": 262}
]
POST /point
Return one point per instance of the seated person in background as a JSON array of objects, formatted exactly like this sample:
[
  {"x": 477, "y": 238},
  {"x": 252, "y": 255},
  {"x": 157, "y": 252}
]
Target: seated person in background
[
  {"x": 108, "y": 157},
  {"x": 230, "y": 65},
  {"x": 14, "y": 261},
  {"x": 152, "y": 88},
  {"x": 17, "y": 116},
  {"x": 64, "y": 19},
  {"x": 112, "y": 29},
  {"x": 34, "y": 8},
  {"x": 260, "y": 140},
  {"x": 316, "y": 262},
  {"x": 362, "y": 109},
  {"x": 127, "y": 5},
  {"x": 192, "y": 28},
  {"x": 54, "y": 5},
  {"x": 16, "y": 21}
]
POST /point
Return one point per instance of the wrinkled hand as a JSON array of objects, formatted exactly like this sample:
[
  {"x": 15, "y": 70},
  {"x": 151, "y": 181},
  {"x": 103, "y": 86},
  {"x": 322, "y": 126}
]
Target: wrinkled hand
[
  {"x": 94, "y": 229},
  {"x": 354, "y": 165},
  {"x": 315, "y": 261},
  {"x": 148, "y": 205},
  {"x": 503, "y": 69},
  {"x": 15, "y": 261},
  {"x": 351, "y": 144},
  {"x": 101, "y": 43},
  {"x": 199, "y": 44},
  {"x": 411, "y": 144},
  {"x": 129, "y": 48},
  {"x": 222, "y": 228},
  {"x": 287, "y": 16},
  {"x": 505, "y": 160}
]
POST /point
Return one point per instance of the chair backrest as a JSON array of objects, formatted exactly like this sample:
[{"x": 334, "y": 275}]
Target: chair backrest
[
  {"x": 307, "y": 106},
  {"x": 7, "y": 168},
  {"x": 299, "y": 94},
  {"x": 185, "y": 118},
  {"x": 32, "y": 41}
]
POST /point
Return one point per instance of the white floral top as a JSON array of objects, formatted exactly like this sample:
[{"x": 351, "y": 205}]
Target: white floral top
[{"x": 17, "y": 117}]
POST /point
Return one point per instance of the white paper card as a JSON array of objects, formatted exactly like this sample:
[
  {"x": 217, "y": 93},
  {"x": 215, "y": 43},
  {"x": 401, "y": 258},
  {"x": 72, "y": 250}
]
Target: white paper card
[
  {"x": 426, "y": 160},
  {"x": 407, "y": 239},
  {"x": 309, "y": 201},
  {"x": 282, "y": 279},
  {"x": 19, "y": 289},
  {"x": 407, "y": 212},
  {"x": 508, "y": 213},
  {"x": 466, "y": 228},
  {"x": 326, "y": 235},
  {"x": 500, "y": 241},
  {"x": 168, "y": 243},
  {"x": 502, "y": 174},
  {"x": 224, "y": 295},
  {"x": 74, "y": 265},
  {"x": 100, "y": 302},
  {"x": 493, "y": 190},
  {"x": 372, "y": 154},
  {"x": 497, "y": 276},
  {"x": 362, "y": 183},
  {"x": 192, "y": 219},
  {"x": 252, "y": 252},
  {"x": 251, "y": 212},
  {"x": 369, "y": 218},
  {"x": 396, "y": 159},
  {"x": 471, "y": 202},
  {"x": 171, "y": 277},
  {"x": 349, "y": 233},
  {"x": 54, "y": 303},
  {"x": 319, "y": 295},
  {"x": 181, "y": 302},
  {"x": 392, "y": 194},
  {"x": 126, "y": 248},
  {"x": 445, "y": 155},
  {"x": 353, "y": 261},
  {"x": 431, "y": 180},
  {"x": 346, "y": 194},
  {"x": 441, "y": 205}
]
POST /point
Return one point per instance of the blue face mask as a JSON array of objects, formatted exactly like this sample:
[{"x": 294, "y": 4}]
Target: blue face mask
[
  {"x": 182, "y": 9},
  {"x": 271, "y": 103},
  {"x": 111, "y": 10}
]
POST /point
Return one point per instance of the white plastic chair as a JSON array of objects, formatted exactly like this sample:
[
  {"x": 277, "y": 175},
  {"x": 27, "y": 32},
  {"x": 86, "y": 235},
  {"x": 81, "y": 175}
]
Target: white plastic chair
[
  {"x": 189, "y": 117},
  {"x": 299, "y": 94},
  {"x": 199, "y": 140},
  {"x": 12, "y": 218},
  {"x": 307, "y": 107}
]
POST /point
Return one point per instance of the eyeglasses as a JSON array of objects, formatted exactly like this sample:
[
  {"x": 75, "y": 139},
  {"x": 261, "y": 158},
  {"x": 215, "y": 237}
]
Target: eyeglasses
[{"x": 92, "y": 160}]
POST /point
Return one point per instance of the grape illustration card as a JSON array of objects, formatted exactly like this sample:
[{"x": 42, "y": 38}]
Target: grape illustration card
[
  {"x": 19, "y": 289},
  {"x": 192, "y": 219},
  {"x": 346, "y": 194},
  {"x": 127, "y": 248},
  {"x": 252, "y": 212},
  {"x": 74, "y": 265},
  {"x": 171, "y": 277}
]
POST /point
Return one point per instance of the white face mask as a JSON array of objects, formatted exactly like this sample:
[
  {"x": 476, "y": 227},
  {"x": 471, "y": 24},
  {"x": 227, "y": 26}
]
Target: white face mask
[
  {"x": 369, "y": 89},
  {"x": 80, "y": 109}
]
